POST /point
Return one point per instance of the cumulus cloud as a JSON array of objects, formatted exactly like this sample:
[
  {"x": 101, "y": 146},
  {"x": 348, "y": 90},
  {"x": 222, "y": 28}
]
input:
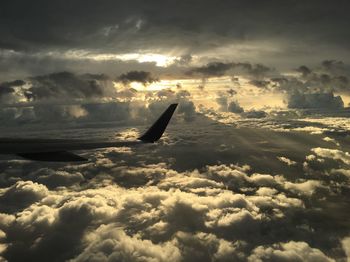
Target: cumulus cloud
[
  {"x": 112, "y": 243},
  {"x": 152, "y": 212},
  {"x": 52, "y": 179},
  {"x": 66, "y": 85},
  {"x": 291, "y": 251},
  {"x": 286, "y": 160},
  {"x": 332, "y": 154},
  {"x": 182, "y": 199},
  {"x": 21, "y": 195},
  {"x": 315, "y": 100}
]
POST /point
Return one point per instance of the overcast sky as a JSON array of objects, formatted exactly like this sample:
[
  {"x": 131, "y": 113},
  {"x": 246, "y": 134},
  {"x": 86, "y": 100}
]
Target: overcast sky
[{"x": 42, "y": 36}]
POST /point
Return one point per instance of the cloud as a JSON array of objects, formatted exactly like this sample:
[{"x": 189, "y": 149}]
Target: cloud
[
  {"x": 346, "y": 246},
  {"x": 124, "y": 28},
  {"x": 260, "y": 83},
  {"x": 255, "y": 114},
  {"x": 307, "y": 188},
  {"x": 109, "y": 242},
  {"x": 8, "y": 87},
  {"x": 216, "y": 69},
  {"x": 65, "y": 85},
  {"x": 151, "y": 202},
  {"x": 22, "y": 194},
  {"x": 286, "y": 160},
  {"x": 212, "y": 69},
  {"x": 52, "y": 179},
  {"x": 137, "y": 76},
  {"x": 290, "y": 251},
  {"x": 332, "y": 154},
  {"x": 315, "y": 100},
  {"x": 227, "y": 104},
  {"x": 234, "y": 107}
]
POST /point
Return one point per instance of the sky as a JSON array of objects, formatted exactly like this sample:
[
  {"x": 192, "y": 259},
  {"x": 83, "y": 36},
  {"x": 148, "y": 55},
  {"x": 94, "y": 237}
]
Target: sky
[{"x": 254, "y": 166}]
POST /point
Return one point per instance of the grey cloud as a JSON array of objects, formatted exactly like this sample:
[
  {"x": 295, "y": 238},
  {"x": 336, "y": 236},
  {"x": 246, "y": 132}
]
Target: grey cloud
[
  {"x": 62, "y": 113},
  {"x": 146, "y": 25},
  {"x": 117, "y": 111},
  {"x": 188, "y": 109},
  {"x": 229, "y": 105},
  {"x": 112, "y": 243},
  {"x": 64, "y": 84},
  {"x": 333, "y": 66},
  {"x": 212, "y": 69},
  {"x": 7, "y": 87},
  {"x": 315, "y": 100},
  {"x": 239, "y": 31},
  {"x": 221, "y": 68},
  {"x": 53, "y": 179},
  {"x": 21, "y": 195},
  {"x": 231, "y": 92},
  {"x": 260, "y": 83},
  {"x": 291, "y": 251},
  {"x": 255, "y": 114},
  {"x": 304, "y": 70},
  {"x": 137, "y": 76},
  {"x": 234, "y": 107}
]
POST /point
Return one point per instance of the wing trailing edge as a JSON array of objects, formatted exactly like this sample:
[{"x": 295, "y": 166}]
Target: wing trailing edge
[{"x": 59, "y": 156}]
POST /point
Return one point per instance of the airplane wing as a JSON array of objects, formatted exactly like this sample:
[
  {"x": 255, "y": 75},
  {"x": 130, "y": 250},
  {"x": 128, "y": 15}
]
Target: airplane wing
[
  {"x": 55, "y": 150},
  {"x": 157, "y": 129},
  {"x": 58, "y": 156}
]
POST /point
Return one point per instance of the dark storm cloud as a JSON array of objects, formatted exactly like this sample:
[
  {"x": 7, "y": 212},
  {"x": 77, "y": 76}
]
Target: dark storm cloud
[
  {"x": 81, "y": 24},
  {"x": 315, "y": 100},
  {"x": 64, "y": 84},
  {"x": 17, "y": 65},
  {"x": 314, "y": 87},
  {"x": 261, "y": 32},
  {"x": 63, "y": 87},
  {"x": 137, "y": 76},
  {"x": 220, "y": 68},
  {"x": 8, "y": 87},
  {"x": 212, "y": 69},
  {"x": 304, "y": 70}
]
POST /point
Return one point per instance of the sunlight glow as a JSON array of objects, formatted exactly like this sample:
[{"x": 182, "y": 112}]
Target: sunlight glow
[{"x": 160, "y": 60}]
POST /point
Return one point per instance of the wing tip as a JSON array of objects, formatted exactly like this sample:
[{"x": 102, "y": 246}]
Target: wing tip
[{"x": 156, "y": 131}]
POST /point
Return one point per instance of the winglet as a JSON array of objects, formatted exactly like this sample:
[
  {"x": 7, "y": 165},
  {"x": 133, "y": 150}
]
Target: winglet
[{"x": 157, "y": 129}]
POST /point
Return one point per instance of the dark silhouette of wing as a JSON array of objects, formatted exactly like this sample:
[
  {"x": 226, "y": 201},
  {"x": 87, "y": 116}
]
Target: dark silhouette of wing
[
  {"x": 59, "y": 156},
  {"x": 157, "y": 129}
]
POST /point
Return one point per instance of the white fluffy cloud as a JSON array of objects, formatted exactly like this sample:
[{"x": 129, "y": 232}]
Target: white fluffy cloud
[
  {"x": 332, "y": 154},
  {"x": 177, "y": 202},
  {"x": 290, "y": 251}
]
